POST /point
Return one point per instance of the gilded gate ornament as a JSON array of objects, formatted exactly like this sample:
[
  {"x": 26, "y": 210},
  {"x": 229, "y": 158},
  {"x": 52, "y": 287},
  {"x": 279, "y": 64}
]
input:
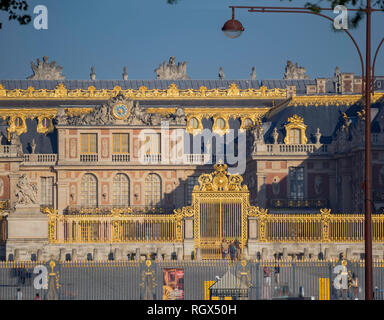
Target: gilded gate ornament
[{"x": 325, "y": 219}]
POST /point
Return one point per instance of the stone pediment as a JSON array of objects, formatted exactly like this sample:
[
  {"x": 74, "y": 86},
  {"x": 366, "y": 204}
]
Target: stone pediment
[{"x": 120, "y": 110}]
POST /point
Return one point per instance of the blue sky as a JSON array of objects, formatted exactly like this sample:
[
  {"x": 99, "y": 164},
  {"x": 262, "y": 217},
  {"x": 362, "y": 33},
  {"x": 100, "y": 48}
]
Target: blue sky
[{"x": 141, "y": 34}]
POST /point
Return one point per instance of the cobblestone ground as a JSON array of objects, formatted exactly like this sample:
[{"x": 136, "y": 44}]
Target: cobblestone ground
[{"x": 127, "y": 283}]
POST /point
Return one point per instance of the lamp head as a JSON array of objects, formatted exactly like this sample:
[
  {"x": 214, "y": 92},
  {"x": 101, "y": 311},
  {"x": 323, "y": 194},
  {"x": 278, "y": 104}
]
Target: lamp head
[{"x": 233, "y": 28}]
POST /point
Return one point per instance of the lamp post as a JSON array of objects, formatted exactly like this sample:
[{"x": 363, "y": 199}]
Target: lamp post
[{"x": 234, "y": 28}]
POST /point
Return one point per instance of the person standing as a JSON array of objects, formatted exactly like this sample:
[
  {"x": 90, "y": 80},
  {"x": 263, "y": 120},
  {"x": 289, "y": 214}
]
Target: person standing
[
  {"x": 355, "y": 286},
  {"x": 19, "y": 294},
  {"x": 37, "y": 297},
  {"x": 232, "y": 251},
  {"x": 277, "y": 275},
  {"x": 267, "y": 283},
  {"x": 236, "y": 243},
  {"x": 224, "y": 249}
]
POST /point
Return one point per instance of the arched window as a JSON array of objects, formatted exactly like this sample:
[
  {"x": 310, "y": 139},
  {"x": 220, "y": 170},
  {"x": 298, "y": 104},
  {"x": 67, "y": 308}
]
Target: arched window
[
  {"x": 152, "y": 190},
  {"x": 120, "y": 190},
  {"x": 89, "y": 190},
  {"x": 194, "y": 123},
  {"x": 220, "y": 122},
  {"x": 295, "y": 136}
]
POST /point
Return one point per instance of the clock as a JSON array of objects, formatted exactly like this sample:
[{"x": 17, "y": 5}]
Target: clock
[{"x": 120, "y": 111}]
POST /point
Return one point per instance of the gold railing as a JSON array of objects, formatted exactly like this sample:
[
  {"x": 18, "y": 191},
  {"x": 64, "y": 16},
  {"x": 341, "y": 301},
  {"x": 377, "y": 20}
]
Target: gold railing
[
  {"x": 115, "y": 228},
  {"x": 323, "y": 227}
]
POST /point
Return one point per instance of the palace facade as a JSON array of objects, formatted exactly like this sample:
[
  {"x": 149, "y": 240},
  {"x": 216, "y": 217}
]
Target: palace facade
[{"x": 97, "y": 169}]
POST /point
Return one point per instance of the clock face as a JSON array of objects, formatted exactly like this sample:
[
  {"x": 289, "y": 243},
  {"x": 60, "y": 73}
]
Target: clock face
[{"x": 120, "y": 111}]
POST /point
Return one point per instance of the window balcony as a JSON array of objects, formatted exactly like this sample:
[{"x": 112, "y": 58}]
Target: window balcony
[
  {"x": 89, "y": 158},
  {"x": 294, "y": 149},
  {"x": 121, "y": 157},
  {"x": 7, "y": 151},
  {"x": 196, "y": 159},
  {"x": 40, "y": 159},
  {"x": 151, "y": 158}
]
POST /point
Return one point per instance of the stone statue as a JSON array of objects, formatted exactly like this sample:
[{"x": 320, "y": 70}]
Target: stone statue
[
  {"x": 138, "y": 116},
  {"x": 61, "y": 117},
  {"x": 125, "y": 74},
  {"x": 253, "y": 73},
  {"x": 257, "y": 137},
  {"x": 93, "y": 74},
  {"x": 33, "y": 145},
  {"x": 318, "y": 136},
  {"x": 275, "y": 135},
  {"x": 221, "y": 74},
  {"x": 26, "y": 192},
  {"x": 180, "y": 116},
  {"x": 294, "y": 72},
  {"x": 45, "y": 70},
  {"x": 171, "y": 71},
  {"x": 15, "y": 141},
  {"x": 318, "y": 185}
]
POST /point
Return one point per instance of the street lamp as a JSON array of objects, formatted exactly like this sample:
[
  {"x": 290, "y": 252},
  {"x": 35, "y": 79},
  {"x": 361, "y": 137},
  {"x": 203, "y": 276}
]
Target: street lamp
[{"x": 233, "y": 29}]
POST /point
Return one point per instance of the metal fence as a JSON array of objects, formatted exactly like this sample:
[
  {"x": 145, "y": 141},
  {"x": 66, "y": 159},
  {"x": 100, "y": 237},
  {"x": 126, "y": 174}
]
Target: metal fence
[{"x": 188, "y": 280}]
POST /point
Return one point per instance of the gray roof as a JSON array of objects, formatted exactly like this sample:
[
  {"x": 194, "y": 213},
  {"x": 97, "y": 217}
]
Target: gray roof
[
  {"x": 128, "y": 84},
  {"x": 282, "y": 84}
]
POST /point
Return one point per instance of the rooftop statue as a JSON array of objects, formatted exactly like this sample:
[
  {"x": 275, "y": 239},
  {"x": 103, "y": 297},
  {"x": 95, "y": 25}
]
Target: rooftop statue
[
  {"x": 171, "y": 71},
  {"x": 221, "y": 74},
  {"x": 46, "y": 70},
  {"x": 253, "y": 73},
  {"x": 294, "y": 72}
]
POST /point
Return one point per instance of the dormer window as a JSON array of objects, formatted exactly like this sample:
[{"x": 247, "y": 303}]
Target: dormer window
[{"x": 295, "y": 131}]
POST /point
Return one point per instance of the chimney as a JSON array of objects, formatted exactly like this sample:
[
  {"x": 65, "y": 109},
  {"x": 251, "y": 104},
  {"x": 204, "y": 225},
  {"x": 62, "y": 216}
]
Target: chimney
[
  {"x": 347, "y": 83},
  {"x": 321, "y": 85},
  {"x": 291, "y": 91}
]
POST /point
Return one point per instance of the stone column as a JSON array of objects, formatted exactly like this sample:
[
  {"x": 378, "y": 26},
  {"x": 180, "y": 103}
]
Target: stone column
[
  {"x": 326, "y": 254},
  {"x": 261, "y": 190},
  {"x": 117, "y": 254},
  {"x": 62, "y": 192},
  {"x": 306, "y": 253},
  {"x": 16, "y": 256},
  {"x": 264, "y": 253},
  {"x": 62, "y": 254},
  {"x": 96, "y": 255},
  {"x": 13, "y": 178},
  {"x": 137, "y": 256},
  {"x": 285, "y": 253},
  {"x": 39, "y": 255},
  {"x": 74, "y": 255},
  {"x": 179, "y": 253},
  {"x": 198, "y": 254},
  {"x": 332, "y": 192}
]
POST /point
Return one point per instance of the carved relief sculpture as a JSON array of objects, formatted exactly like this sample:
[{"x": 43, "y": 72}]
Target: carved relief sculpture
[{"x": 26, "y": 192}]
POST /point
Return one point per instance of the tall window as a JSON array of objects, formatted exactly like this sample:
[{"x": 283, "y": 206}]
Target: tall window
[
  {"x": 46, "y": 193},
  {"x": 88, "y": 142},
  {"x": 296, "y": 183},
  {"x": 89, "y": 190},
  {"x": 120, "y": 143},
  {"x": 152, "y": 143},
  {"x": 120, "y": 190},
  {"x": 152, "y": 190},
  {"x": 295, "y": 136},
  {"x": 191, "y": 182}
]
